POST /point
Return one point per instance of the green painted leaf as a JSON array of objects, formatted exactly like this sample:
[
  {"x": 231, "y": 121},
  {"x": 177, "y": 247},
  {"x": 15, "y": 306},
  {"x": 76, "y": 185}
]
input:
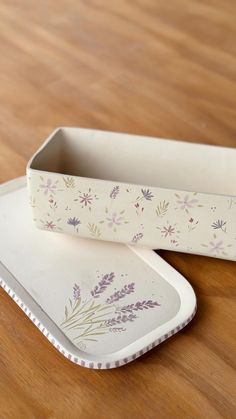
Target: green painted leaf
[
  {"x": 94, "y": 230},
  {"x": 162, "y": 208},
  {"x": 66, "y": 312}
]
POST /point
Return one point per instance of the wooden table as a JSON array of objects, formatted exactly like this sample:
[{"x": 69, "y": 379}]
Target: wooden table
[{"x": 161, "y": 68}]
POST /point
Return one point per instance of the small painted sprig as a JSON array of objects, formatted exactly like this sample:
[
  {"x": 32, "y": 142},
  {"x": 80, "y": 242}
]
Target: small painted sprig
[
  {"x": 192, "y": 224},
  {"x": 147, "y": 194},
  {"x": 106, "y": 280},
  {"x": 162, "y": 208},
  {"x": 73, "y": 221},
  {"x": 69, "y": 182},
  {"x": 114, "y": 192},
  {"x": 232, "y": 202},
  {"x": 140, "y": 305},
  {"x": 127, "y": 289},
  {"x": 121, "y": 319},
  {"x": 137, "y": 237},
  {"x": 76, "y": 292},
  {"x": 94, "y": 230},
  {"x": 52, "y": 204},
  {"x": 219, "y": 224}
]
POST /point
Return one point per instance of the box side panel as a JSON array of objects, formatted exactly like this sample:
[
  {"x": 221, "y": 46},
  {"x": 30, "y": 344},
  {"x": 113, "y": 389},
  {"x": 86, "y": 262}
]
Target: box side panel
[{"x": 152, "y": 217}]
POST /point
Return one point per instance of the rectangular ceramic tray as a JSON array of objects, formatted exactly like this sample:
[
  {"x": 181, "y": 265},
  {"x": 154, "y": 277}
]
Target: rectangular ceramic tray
[
  {"x": 100, "y": 304},
  {"x": 142, "y": 191}
]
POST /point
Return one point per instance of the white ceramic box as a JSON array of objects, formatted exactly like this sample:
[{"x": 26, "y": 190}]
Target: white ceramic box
[{"x": 138, "y": 190}]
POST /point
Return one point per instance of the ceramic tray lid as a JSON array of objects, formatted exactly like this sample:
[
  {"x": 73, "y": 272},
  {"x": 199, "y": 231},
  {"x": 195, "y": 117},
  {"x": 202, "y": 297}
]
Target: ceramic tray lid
[{"x": 100, "y": 304}]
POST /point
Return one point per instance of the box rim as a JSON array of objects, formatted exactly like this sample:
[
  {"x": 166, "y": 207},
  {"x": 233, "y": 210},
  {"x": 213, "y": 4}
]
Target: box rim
[{"x": 29, "y": 169}]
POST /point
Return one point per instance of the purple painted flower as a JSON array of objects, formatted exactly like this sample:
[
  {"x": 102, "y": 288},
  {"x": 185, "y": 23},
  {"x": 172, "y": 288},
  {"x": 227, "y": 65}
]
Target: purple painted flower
[
  {"x": 106, "y": 280},
  {"x": 187, "y": 203},
  {"x": 168, "y": 231},
  {"x": 121, "y": 319},
  {"x": 217, "y": 247},
  {"x": 114, "y": 192},
  {"x": 73, "y": 221},
  {"x": 127, "y": 289},
  {"x": 76, "y": 292},
  {"x": 140, "y": 305},
  {"x": 219, "y": 224},
  {"x": 147, "y": 194},
  {"x": 86, "y": 199},
  {"x": 114, "y": 220},
  {"x": 49, "y": 187}
]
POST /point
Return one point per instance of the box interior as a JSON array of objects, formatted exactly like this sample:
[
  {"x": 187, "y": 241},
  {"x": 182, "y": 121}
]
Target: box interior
[{"x": 139, "y": 160}]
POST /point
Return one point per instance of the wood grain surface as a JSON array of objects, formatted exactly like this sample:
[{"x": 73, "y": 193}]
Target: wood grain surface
[{"x": 162, "y": 68}]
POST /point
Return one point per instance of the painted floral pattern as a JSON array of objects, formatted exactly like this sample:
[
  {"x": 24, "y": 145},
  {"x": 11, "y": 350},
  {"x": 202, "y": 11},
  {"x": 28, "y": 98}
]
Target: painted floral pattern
[
  {"x": 88, "y": 318},
  {"x": 73, "y": 221},
  {"x": 146, "y": 195},
  {"x": 232, "y": 202},
  {"x": 219, "y": 225},
  {"x": 170, "y": 232},
  {"x": 137, "y": 237},
  {"x": 218, "y": 246},
  {"x": 151, "y": 217},
  {"x": 114, "y": 192},
  {"x": 51, "y": 225},
  {"x": 86, "y": 199},
  {"x": 69, "y": 182},
  {"x": 187, "y": 202},
  {"x": 162, "y": 208},
  {"x": 48, "y": 187},
  {"x": 192, "y": 224},
  {"x": 94, "y": 230},
  {"x": 114, "y": 220}
]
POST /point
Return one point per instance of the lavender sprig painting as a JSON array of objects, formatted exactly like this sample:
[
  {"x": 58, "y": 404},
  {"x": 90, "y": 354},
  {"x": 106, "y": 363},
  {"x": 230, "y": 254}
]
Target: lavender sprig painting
[
  {"x": 121, "y": 319},
  {"x": 137, "y": 237},
  {"x": 88, "y": 317},
  {"x": 102, "y": 285},
  {"x": 127, "y": 289},
  {"x": 114, "y": 192},
  {"x": 140, "y": 305},
  {"x": 76, "y": 292}
]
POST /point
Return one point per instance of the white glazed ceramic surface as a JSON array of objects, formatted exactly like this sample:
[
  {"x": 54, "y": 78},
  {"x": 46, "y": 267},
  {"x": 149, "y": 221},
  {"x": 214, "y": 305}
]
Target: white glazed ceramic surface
[
  {"x": 99, "y": 203},
  {"x": 100, "y": 304}
]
